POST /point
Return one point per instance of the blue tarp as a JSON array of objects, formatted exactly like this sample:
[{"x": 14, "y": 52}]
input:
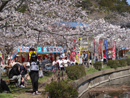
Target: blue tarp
[{"x": 71, "y": 24}]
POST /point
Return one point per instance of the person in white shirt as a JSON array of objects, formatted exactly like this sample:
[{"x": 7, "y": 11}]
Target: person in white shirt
[
  {"x": 54, "y": 65},
  {"x": 60, "y": 62},
  {"x": 66, "y": 62}
]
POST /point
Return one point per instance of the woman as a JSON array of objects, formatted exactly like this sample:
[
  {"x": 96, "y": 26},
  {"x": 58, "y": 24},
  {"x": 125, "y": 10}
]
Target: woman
[{"x": 34, "y": 68}]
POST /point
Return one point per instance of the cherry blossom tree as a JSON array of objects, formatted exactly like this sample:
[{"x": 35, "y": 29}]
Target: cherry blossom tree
[{"x": 34, "y": 23}]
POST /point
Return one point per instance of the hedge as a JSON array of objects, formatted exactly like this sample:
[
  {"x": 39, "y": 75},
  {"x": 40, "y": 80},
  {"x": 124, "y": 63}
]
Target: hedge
[
  {"x": 128, "y": 62},
  {"x": 118, "y": 63},
  {"x": 98, "y": 65},
  {"x": 61, "y": 90},
  {"x": 122, "y": 63},
  {"x": 75, "y": 72}
]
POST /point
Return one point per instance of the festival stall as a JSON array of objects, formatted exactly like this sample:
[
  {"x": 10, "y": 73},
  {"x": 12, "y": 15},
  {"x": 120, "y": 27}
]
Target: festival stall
[
  {"x": 21, "y": 54},
  {"x": 24, "y": 53},
  {"x": 123, "y": 52},
  {"x": 49, "y": 51}
]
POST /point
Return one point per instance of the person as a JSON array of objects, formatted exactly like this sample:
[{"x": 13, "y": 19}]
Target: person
[
  {"x": 23, "y": 71},
  {"x": 54, "y": 65},
  {"x": 44, "y": 62},
  {"x": 66, "y": 62},
  {"x": 12, "y": 63},
  {"x": 85, "y": 58},
  {"x": 60, "y": 62},
  {"x": 15, "y": 74},
  {"x": 34, "y": 68},
  {"x": 96, "y": 58},
  {"x": 16, "y": 59},
  {"x": 4, "y": 86},
  {"x": 40, "y": 70},
  {"x": 90, "y": 58},
  {"x": 104, "y": 58},
  {"x": 40, "y": 63}
]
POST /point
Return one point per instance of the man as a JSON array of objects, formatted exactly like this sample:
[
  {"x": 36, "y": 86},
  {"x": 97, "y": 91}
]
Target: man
[
  {"x": 44, "y": 62},
  {"x": 85, "y": 58},
  {"x": 14, "y": 74}
]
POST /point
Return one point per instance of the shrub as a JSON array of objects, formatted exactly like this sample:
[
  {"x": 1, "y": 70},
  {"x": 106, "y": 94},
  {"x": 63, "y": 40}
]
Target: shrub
[
  {"x": 128, "y": 62},
  {"x": 98, "y": 65},
  {"x": 75, "y": 72},
  {"x": 113, "y": 63},
  {"x": 122, "y": 63},
  {"x": 61, "y": 90}
]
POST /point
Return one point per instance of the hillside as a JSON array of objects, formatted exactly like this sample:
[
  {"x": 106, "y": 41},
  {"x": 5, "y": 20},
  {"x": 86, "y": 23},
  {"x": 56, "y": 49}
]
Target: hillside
[{"x": 111, "y": 10}]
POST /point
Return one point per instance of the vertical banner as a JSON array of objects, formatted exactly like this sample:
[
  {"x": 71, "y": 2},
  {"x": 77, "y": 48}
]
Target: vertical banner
[
  {"x": 88, "y": 48},
  {"x": 72, "y": 56},
  {"x": 105, "y": 45},
  {"x": 114, "y": 50},
  {"x": 100, "y": 49},
  {"x": 94, "y": 49}
]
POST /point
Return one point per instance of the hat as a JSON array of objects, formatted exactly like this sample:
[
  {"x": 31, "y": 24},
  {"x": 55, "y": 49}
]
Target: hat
[{"x": 33, "y": 55}]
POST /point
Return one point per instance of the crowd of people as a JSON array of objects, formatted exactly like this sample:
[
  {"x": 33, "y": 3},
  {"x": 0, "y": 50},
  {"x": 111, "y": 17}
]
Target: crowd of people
[
  {"x": 18, "y": 71},
  {"x": 38, "y": 67}
]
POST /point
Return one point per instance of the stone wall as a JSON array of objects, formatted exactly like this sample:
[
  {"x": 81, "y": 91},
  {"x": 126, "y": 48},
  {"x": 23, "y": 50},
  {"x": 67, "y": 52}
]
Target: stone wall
[{"x": 97, "y": 78}]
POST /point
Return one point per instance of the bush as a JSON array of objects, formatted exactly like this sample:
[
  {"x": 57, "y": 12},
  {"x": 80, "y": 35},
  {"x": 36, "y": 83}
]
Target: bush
[
  {"x": 61, "y": 90},
  {"x": 122, "y": 63},
  {"x": 75, "y": 72},
  {"x": 98, "y": 65},
  {"x": 113, "y": 63},
  {"x": 128, "y": 62}
]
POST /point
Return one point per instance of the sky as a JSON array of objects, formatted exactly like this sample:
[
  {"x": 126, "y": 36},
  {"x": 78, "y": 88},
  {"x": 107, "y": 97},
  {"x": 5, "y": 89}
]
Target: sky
[{"x": 128, "y": 1}]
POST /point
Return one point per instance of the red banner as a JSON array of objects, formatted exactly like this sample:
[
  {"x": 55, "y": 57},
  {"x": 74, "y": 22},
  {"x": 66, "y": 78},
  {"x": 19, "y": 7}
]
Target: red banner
[
  {"x": 100, "y": 49},
  {"x": 114, "y": 50},
  {"x": 72, "y": 56}
]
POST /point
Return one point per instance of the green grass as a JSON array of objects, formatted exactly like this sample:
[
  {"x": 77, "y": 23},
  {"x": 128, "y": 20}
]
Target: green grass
[
  {"x": 21, "y": 91},
  {"x": 91, "y": 70},
  {"x": 67, "y": 80},
  {"x": 4, "y": 76},
  {"x": 5, "y": 95},
  {"x": 106, "y": 67}
]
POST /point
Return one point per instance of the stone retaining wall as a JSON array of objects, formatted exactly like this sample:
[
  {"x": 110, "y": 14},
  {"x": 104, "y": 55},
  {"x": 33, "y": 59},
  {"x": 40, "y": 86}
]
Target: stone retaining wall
[{"x": 97, "y": 78}]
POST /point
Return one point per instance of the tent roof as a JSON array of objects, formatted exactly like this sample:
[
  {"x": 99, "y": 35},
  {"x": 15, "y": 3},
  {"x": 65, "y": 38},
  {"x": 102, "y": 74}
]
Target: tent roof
[{"x": 71, "y": 24}]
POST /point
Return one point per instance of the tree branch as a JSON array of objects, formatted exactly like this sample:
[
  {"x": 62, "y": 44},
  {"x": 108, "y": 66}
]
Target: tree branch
[{"x": 4, "y": 3}]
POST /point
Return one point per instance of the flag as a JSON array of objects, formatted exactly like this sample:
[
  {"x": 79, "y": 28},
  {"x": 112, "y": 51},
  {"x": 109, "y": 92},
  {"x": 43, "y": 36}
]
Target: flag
[
  {"x": 105, "y": 45},
  {"x": 94, "y": 48},
  {"x": 72, "y": 56},
  {"x": 100, "y": 49},
  {"x": 114, "y": 50}
]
